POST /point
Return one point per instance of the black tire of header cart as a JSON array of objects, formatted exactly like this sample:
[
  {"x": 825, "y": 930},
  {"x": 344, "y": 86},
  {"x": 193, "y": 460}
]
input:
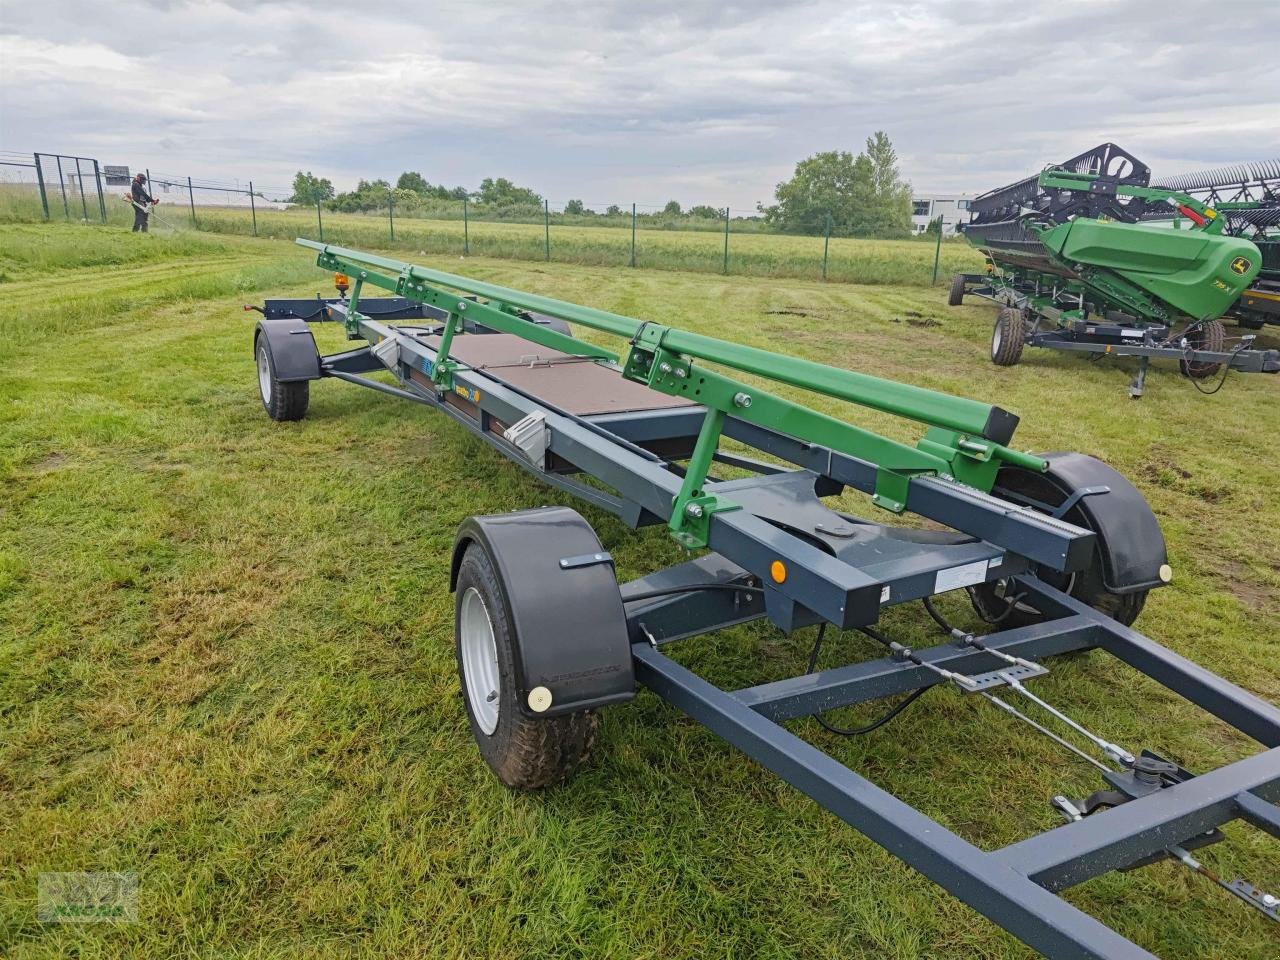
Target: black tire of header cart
[
  {"x": 282, "y": 401},
  {"x": 524, "y": 753},
  {"x": 1007, "y": 337},
  {"x": 1087, "y": 586},
  {"x": 1209, "y": 335},
  {"x": 955, "y": 296}
]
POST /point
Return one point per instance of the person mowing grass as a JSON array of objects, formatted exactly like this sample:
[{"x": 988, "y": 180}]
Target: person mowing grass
[{"x": 140, "y": 198}]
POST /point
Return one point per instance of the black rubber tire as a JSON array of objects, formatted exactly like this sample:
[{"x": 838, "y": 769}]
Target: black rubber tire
[
  {"x": 955, "y": 295},
  {"x": 523, "y": 752},
  {"x": 1086, "y": 586},
  {"x": 1210, "y": 335},
  {"x": 282, "y": 401},
  {"x": 1007, "y": 337}
]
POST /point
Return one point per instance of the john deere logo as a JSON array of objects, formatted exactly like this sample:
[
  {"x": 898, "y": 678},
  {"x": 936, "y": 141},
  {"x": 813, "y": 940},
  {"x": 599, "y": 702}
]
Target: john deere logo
[{"x": 1240, "y": 265}]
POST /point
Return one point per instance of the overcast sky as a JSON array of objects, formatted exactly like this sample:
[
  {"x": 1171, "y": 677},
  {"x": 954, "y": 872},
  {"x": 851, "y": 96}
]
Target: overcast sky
[{"x": 637, "y": 101}]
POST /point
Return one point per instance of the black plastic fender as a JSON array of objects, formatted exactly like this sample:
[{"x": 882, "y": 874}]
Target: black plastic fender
[
  {"x": 563, "y": 599},
  {"x": 1130, "y": 541},
  {"x": 293, "y": 349}
]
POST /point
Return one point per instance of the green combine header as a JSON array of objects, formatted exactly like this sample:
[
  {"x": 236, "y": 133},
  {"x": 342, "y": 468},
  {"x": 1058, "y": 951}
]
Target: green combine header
[{"x": 1088, "y": 257}]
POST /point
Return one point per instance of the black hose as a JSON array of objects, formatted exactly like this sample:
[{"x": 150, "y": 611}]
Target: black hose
[{"x": 896, "y": 709}]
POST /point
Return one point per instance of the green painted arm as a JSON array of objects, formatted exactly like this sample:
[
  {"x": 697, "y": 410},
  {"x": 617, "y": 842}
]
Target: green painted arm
[{"x": 966, "y": 440}]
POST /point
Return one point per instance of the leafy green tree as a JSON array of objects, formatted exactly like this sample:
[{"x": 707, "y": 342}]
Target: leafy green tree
[
  {"x": 702, "y": 210},
  {"x": 613, "y": 210},
  {"x": 411, "y": 180},
  {"x": 864, "y": 194},
  {"x": 368, "y": 195},
  {"x": 416, "y": 183},
  {"x": 310, "y": 189},
  {"x": 503, "y": 193},
  {"x": 574, "y": 206},
  {"x": 672, "y": 208},
  {"x": 890, "y": 194}
]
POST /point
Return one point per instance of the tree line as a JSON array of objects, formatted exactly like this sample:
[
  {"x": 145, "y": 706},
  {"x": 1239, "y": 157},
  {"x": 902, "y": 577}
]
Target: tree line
[{"x": 850, "y": 195}]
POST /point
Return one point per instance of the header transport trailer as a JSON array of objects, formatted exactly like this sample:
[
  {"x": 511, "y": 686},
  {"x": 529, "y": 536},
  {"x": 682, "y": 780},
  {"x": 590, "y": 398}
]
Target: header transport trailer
[
  {"x": 1077, "y": 262},
  {"x": 1058, "y": 553}
]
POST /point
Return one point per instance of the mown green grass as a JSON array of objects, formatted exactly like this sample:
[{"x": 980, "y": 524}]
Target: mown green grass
[
  {"x": 900, "y": 262},
  {"x": 226, "y": 663}
]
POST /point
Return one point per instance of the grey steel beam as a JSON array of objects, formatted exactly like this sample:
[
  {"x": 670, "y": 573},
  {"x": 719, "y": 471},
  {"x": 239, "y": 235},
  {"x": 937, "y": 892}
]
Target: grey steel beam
[
  {"x": 1054, "y": 543},
  {"x": 859, "y": 682},
  {"x": 1115, "y": 838},
  {"x": 1249, "y": 714},
  {"x": 1034, "y": 915}
]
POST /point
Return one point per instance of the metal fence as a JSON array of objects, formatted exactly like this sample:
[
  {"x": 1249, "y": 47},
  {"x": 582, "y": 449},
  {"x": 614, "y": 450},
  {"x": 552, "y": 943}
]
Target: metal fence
[{"x": 630, "y": 234}]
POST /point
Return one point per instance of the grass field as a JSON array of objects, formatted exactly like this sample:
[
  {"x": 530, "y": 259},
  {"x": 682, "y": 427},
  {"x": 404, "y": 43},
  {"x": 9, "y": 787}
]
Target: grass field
[
  {"x": 902, "y": 262},
  {"x": 226, "y": 645}
]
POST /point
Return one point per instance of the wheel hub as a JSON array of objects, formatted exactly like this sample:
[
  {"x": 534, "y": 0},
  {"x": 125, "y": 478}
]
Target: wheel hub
[
  {"x": 479, "y": 661},
  {"x": 264, "y": 374}
]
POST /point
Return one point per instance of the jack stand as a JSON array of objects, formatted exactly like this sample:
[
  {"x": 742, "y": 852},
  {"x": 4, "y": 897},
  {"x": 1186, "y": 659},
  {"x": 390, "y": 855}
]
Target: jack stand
[{"x": 1140, "y": 379}]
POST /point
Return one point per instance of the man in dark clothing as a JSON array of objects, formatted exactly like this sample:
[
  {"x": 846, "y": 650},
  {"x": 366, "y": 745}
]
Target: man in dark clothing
[{"x": 140, "y": 197}]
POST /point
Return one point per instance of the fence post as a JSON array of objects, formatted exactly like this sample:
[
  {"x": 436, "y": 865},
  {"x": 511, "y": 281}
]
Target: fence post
[
  {"x": 546, "y": 223},
  {"x": 826, "y": 245},
  {"x": 44, "y": 198},
  {"x": 253, "y": 209},
  {"x": 633, "y": 234},
  {"x": 62, "y": 183},
  {"x": 191, "y": 198},
  {"x": 319, "y": 221},
  {"x": 937, "y": 250},
  {"x": 102, "y": 202},
  {"x": 84, "y": 204},
  {"x": 391, "y": 217},
  {"x": 466, "y": 233},
  {"x": 726, "y": 239}
]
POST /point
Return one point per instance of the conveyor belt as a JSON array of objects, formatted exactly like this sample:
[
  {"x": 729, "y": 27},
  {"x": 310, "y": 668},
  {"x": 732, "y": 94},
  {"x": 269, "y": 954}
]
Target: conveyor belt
[{"x": 576, "y": 385}]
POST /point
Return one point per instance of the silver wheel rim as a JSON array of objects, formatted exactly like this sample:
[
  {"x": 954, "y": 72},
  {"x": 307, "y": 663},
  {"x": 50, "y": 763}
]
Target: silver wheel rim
[
  {"x": 995, "y": 340},
  {"x": 264, "y": 375},
  {"x": 479, "y": 661}
]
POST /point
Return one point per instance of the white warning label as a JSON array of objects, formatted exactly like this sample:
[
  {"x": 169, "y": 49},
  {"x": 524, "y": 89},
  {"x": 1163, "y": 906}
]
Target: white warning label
[{"x": 963, "y": 576}]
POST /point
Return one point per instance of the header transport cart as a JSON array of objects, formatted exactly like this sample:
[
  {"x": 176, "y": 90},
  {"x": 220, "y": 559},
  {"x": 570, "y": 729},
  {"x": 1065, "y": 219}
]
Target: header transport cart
[
  {"x": 1058, "y": 553},
  {"x": 1077, "y": 263}
]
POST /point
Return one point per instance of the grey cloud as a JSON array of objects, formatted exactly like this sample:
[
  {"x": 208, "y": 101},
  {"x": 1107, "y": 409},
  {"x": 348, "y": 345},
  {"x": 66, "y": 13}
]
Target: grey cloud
[{"x": 707, "y": 102}]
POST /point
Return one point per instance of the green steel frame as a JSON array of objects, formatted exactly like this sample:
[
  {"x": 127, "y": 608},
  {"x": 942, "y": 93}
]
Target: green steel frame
[{"x": 966, "y": 440}]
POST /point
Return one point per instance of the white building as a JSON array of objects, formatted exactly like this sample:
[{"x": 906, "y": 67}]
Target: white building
[{"x": 927, "y": 207}]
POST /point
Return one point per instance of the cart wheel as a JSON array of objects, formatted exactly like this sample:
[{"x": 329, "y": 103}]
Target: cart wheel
[
  {"x": 955, "y": 296},
  {"x": 1209, "y": 335},
  {"x": 1008, "y": 337},
  {"x": 282, "y": 401},
  {"x": 524, "y": 753},
  {"x": 993, "y": 600}
]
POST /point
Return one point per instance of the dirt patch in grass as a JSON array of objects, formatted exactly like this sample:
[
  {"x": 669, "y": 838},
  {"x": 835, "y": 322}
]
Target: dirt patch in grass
[{"x": 1241, "y": 583}]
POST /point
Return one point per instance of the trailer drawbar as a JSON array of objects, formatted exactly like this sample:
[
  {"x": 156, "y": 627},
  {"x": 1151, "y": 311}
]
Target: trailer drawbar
[{"x": 1056, "y": 551}]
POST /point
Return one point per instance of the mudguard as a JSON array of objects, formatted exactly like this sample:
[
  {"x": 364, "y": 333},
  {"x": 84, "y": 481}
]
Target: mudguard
[
  {"x": 562, "y": 598},
  {"x": 1129, "y": 537},
  {"x": 293, "y": 349}
]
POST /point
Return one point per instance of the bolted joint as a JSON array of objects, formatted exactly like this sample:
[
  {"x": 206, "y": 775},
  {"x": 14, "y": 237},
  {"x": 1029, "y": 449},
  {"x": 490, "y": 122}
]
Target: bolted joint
[
  {"x": 742, "y": 400},
  {"x": 693, "y": 510}
]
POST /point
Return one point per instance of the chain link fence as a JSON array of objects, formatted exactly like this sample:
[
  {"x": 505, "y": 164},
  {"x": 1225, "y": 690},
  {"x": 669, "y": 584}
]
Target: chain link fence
[{"x": 625, "y": 233}]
